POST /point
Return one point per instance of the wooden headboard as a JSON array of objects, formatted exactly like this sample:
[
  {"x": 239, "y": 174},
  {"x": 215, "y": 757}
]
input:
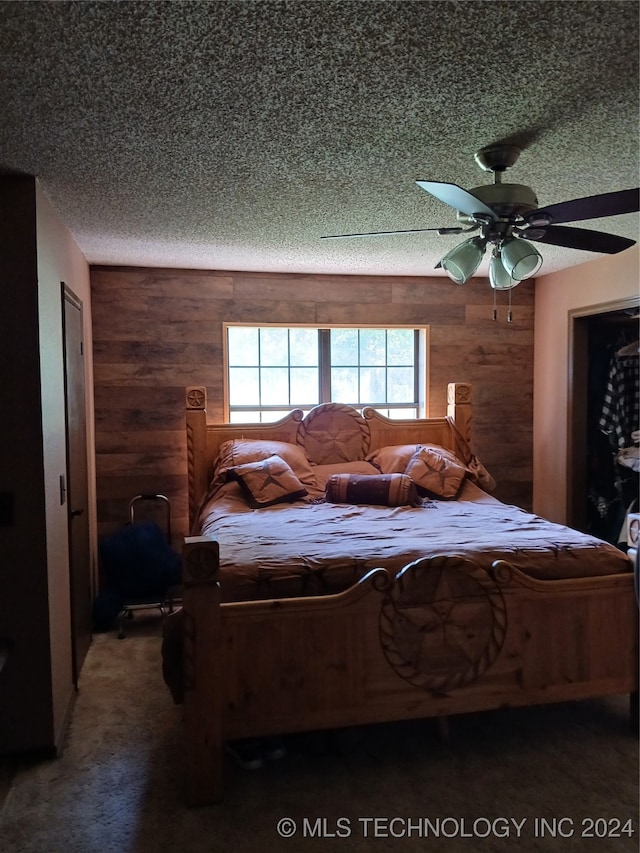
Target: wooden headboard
[{"x": 329, "y": 432}]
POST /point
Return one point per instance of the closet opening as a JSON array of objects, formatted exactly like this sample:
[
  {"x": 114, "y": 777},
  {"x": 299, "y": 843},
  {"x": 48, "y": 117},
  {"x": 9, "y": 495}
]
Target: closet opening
[{"x": 604, "y": 428}]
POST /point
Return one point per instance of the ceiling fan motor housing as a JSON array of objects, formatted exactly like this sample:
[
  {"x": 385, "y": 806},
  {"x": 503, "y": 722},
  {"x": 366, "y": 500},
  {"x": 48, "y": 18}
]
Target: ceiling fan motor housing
[{"x": 504, "y": 199}]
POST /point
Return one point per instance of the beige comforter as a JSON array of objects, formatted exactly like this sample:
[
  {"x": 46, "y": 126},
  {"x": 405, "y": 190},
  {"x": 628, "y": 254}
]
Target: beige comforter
[{"x": 307, "y": 548}]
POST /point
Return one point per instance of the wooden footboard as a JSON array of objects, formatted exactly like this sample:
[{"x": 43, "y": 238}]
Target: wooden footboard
[{"x": 443, "y": 637}]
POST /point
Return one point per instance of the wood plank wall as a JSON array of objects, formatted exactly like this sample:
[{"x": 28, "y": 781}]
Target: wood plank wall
[{"x": 155, "y": 331}]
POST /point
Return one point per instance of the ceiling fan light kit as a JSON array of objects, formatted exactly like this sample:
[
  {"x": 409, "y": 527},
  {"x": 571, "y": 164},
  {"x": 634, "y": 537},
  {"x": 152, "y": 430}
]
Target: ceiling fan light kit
[
  {"x": 499, "y": 278},
  {"x": 506, "y": 214},
  {"x": 463, "y": 260},
  {"x": 520, "y": 259}
]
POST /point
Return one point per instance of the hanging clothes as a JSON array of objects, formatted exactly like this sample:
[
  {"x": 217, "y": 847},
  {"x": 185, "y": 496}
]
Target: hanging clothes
[
  {"x": 618, "y": 424},
  {"x": 620, "y": 416}
]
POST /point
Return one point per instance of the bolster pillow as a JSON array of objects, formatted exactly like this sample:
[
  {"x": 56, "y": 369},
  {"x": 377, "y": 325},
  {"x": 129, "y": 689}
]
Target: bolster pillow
[{"x": 378, "y": 489}]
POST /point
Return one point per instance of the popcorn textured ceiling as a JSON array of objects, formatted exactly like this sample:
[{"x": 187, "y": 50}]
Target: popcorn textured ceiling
[{"x": 233, "y": 135}]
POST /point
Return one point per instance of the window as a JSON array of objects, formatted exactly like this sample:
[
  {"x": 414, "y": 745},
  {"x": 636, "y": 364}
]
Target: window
[{"x": 273, "y": 369}]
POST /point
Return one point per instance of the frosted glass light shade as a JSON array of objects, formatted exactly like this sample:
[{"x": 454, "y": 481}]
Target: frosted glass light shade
[
  {"x": 520, "y": 259},
  {"x": 499, "y": 278},
  {"x": 463, "y": 260}
]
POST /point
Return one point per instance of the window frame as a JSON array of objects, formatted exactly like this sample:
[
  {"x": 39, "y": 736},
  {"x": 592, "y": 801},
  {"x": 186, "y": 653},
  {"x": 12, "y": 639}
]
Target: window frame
[{"x": 421, "y": 354}]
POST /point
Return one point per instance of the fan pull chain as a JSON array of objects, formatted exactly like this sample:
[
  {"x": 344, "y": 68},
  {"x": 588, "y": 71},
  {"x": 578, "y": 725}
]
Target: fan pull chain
[{"x": 495, "y": 307}]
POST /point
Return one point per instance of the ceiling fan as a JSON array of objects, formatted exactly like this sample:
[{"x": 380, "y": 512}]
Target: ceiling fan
[{"x": 508, "y": 217}]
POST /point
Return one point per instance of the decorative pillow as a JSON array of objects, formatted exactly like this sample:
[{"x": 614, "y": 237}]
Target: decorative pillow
[
  {"x": 378, "y": 489},
  {"x": 394, "y": 458},
  {"x": 438, "y": 474},
  {"x": 240, "y": 451},
  {"x": 334, "y": 432},
  {"x": 267, "y": 482}
]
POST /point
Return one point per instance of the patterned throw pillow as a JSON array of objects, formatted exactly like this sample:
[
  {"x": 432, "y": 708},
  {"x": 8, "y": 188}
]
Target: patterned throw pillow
[
  {"x": 377, "y": 489},
  {"x": 394, "y": 458},
  {"x": 267, "y": 482},
  {"x": 240, "y": 451},
  {"x": 436, "y": 473}
]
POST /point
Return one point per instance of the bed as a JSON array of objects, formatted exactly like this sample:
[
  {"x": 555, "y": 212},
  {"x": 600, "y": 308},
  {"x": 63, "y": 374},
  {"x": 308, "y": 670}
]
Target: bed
[{"x": 356, "y": 569}]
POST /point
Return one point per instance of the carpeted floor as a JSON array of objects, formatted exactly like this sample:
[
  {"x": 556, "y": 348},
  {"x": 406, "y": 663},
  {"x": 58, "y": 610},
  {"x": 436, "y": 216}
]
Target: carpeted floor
[{"x": 517, "y": 780}]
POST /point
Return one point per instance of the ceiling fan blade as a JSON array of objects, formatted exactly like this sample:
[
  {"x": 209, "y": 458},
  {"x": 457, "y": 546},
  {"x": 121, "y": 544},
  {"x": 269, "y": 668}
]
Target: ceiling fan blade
[
  {"x": 578, "y": 238},
  {"x": 456, "y": 230},
  {"x": 591, "y": 207},
  {"x": 458, "y": 198}
]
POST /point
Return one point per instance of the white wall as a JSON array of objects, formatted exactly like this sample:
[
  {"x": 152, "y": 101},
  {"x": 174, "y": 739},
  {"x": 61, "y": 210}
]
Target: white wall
[
  {"x": 58, "y": 260},
  {"x": 586, "y": 286}
]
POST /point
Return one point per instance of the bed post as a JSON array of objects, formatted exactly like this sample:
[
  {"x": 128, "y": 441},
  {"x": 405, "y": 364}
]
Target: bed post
[
  {"x": 459, "y": 407},
  {"x": 196, "y": 406},
  {"x": 202, "y": 667}
]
